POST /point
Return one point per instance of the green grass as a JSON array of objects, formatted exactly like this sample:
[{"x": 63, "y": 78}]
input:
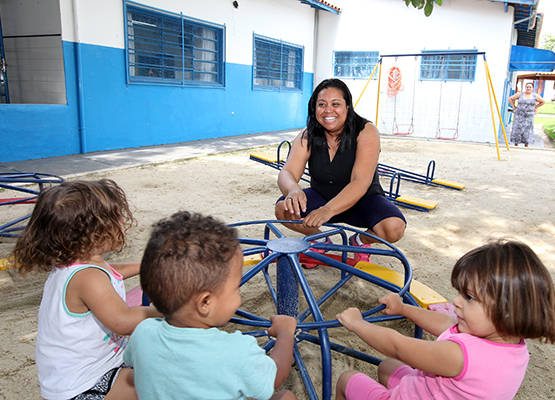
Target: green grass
[
  {"x": 547, "y": 108},
  {"x": 548, "y": 124}
]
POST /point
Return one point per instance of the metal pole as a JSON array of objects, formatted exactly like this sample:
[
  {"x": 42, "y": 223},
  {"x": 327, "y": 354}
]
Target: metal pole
[
  {"x": 367, "y": 82},
  {"x": 496, "y": 105},
  {"x": 287, "y": 288},
  {"x": 492, "y": 114},
  {"x": 379, "y": 85}
]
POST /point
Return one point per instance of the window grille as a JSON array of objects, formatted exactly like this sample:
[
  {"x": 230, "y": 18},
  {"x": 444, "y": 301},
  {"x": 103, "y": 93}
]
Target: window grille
[
  {"x": 355, "y": 64},
  {"x": 277, "y": 64},
  {"x": 171, "y": 49},
  {"x": 448, "y": 67}
]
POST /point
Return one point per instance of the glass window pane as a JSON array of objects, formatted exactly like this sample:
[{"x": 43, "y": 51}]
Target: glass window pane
[
  {"x": 454, "y": 67},
  {"x": 172, "y": 48},
  {"x": 277, "y": 64}
]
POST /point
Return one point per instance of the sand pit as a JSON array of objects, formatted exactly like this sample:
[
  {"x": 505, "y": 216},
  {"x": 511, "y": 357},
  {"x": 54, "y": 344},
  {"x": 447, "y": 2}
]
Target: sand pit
[{"x": 508, "y": 198}]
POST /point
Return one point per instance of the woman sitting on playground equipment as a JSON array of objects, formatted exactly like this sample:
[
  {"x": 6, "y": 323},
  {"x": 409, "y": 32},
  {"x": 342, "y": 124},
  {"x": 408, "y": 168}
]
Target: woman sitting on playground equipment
[
  {"x": 506, "y": 295},
  {"x": 342, "y": 151}
]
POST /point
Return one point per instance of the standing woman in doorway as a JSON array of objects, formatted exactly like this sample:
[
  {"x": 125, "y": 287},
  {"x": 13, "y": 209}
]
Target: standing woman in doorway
[
  {"x": 342, "y": 150},
  {"x": 525, "y": 110}
]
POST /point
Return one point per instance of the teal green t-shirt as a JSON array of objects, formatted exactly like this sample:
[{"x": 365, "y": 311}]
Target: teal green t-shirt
[{"x": 189, "y": 363}]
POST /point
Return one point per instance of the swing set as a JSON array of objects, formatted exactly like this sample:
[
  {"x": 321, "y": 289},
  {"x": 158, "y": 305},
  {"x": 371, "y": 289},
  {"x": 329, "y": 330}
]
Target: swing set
[
  {"x": 442, "y": 132},
  {"x": 394, "y": 79}
]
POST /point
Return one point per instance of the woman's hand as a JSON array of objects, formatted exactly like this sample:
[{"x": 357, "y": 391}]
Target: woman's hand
[
  {"x": 349, "y": 318},
  {"x": 295, "y": 201},
  {"x": 317, "y": 217}
]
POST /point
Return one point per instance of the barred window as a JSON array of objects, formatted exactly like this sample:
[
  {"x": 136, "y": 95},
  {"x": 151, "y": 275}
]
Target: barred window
[
  {"x": 355, "y": 64},
  {"x": 277, "y": 64},
  {"x": 171, "y": 49},
  {"x": 448, "y": 67}
]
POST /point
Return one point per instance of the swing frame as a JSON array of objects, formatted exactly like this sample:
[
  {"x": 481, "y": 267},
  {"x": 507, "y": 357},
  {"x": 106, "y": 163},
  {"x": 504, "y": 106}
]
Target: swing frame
[
  {"x": 491, "y": 90},
  {"x": 410, "y": 127}
]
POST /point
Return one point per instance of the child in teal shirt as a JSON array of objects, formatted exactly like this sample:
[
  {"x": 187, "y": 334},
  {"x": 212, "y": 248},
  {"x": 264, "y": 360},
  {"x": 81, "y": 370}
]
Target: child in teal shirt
[{"x": 191, "y": 271}]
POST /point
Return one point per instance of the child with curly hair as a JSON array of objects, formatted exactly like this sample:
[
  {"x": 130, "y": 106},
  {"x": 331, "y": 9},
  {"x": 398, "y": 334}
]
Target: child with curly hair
[{"x": 83, "y": 317}]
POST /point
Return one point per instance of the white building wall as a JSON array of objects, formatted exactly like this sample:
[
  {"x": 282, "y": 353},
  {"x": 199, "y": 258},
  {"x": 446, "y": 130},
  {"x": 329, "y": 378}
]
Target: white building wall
[
  {"x": 390, "y": 27},
  {"x": 100, "y": 22}
]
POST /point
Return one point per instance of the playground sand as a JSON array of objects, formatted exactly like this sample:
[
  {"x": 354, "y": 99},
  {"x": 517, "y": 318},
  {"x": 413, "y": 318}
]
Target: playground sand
[{"x": 508, "y": 198}]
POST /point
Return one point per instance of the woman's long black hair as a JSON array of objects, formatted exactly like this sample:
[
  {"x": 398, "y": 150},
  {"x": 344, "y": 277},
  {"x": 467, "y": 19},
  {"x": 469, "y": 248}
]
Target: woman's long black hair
[{"x": 315, "y": 133}]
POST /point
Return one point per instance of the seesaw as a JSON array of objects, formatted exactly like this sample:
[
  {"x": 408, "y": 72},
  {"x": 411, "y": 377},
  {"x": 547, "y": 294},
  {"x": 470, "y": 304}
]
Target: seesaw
[
  {"x": 289, "y": 288},
  {"x": 20, "y": 182},
  {"x": 428, "y": 179},
  {"x": 392, "y": 194},
  {"x": 4, "y": 264}
]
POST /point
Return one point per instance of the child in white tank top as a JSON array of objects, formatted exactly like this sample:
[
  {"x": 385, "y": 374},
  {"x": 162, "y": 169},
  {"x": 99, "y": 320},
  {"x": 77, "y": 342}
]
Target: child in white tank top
[{"x": 83, "y": 317}]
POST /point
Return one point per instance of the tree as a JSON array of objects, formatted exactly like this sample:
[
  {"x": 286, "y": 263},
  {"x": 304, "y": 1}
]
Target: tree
[
  {"x": 548, "y": 42},
  {"x": 427, "y": 5}
]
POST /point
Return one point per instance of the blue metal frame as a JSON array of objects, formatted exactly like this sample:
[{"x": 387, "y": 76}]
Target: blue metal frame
[
  {"x": 442, "y": 65},
  {"x": 428, "y": 179},
  {"x": 11, "y": 181},
  {"x": 290, "y": 278},
  {"x": 178, "y": 45},
  {"x": 264, "y": 66}
]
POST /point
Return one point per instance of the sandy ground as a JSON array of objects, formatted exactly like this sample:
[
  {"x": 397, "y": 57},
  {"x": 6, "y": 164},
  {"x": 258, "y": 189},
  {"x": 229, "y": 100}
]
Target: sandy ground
[{"x": 512, "y": 197}]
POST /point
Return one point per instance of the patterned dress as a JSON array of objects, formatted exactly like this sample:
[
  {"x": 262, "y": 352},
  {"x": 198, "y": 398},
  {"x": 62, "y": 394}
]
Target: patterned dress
[{"x": 523, "y": 124}]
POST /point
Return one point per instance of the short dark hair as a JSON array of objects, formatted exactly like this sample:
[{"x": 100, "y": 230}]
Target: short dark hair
[
  {"x": 315, "y": 133},
  {"x": 71, "y": 219},
  {"x": 514, "y": 287},
  {"x": 187, "y": 253}
]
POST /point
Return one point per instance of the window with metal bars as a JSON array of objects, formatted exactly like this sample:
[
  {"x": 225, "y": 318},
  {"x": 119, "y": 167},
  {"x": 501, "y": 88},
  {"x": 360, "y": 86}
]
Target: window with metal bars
[
  {"x": 448, "y": 67},
  {"x": 277, "y": 64},
  {"x": 355, "y": 64},
  {"x": 169, "y": 48}
]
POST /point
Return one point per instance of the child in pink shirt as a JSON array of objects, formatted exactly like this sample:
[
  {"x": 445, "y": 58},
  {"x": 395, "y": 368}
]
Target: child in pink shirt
[{"x": 505, "y": 296}]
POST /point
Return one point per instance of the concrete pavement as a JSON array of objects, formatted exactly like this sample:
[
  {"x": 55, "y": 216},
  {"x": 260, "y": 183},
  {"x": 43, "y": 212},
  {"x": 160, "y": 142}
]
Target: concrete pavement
[{"x": 78, "y": 164}]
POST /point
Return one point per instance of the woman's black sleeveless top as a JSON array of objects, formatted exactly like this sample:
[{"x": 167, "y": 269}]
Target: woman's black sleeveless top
[{"x": 329, "y": 178}]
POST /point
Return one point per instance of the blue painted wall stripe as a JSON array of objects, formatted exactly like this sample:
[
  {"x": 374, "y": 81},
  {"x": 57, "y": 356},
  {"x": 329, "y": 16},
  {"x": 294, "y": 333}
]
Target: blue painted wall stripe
[{"x": 119, "y": 116}]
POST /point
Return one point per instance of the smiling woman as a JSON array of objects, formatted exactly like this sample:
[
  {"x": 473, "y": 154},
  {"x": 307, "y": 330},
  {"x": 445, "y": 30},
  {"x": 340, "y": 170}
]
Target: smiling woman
[{"x": 342, "y": 150}]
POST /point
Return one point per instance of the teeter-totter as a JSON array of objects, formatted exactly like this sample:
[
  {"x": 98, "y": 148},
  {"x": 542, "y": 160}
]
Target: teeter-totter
[
  {"x": 428, "y": 179},
  {"x": 291, "y": 281},
  {"x": 392, "y": 194}
]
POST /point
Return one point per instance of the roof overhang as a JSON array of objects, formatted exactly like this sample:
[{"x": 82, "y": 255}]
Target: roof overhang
[
  {"x": 537, "y": 76},
  {"x": 322, "y": 5},
  {"x": 529, "y": 59},
  {"x": 526, "y": 20}
]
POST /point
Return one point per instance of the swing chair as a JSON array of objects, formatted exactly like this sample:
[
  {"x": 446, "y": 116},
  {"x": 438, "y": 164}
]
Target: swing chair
[
  {"x": 441, "y": 132},
  {"x": 401, "y": 129}
]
